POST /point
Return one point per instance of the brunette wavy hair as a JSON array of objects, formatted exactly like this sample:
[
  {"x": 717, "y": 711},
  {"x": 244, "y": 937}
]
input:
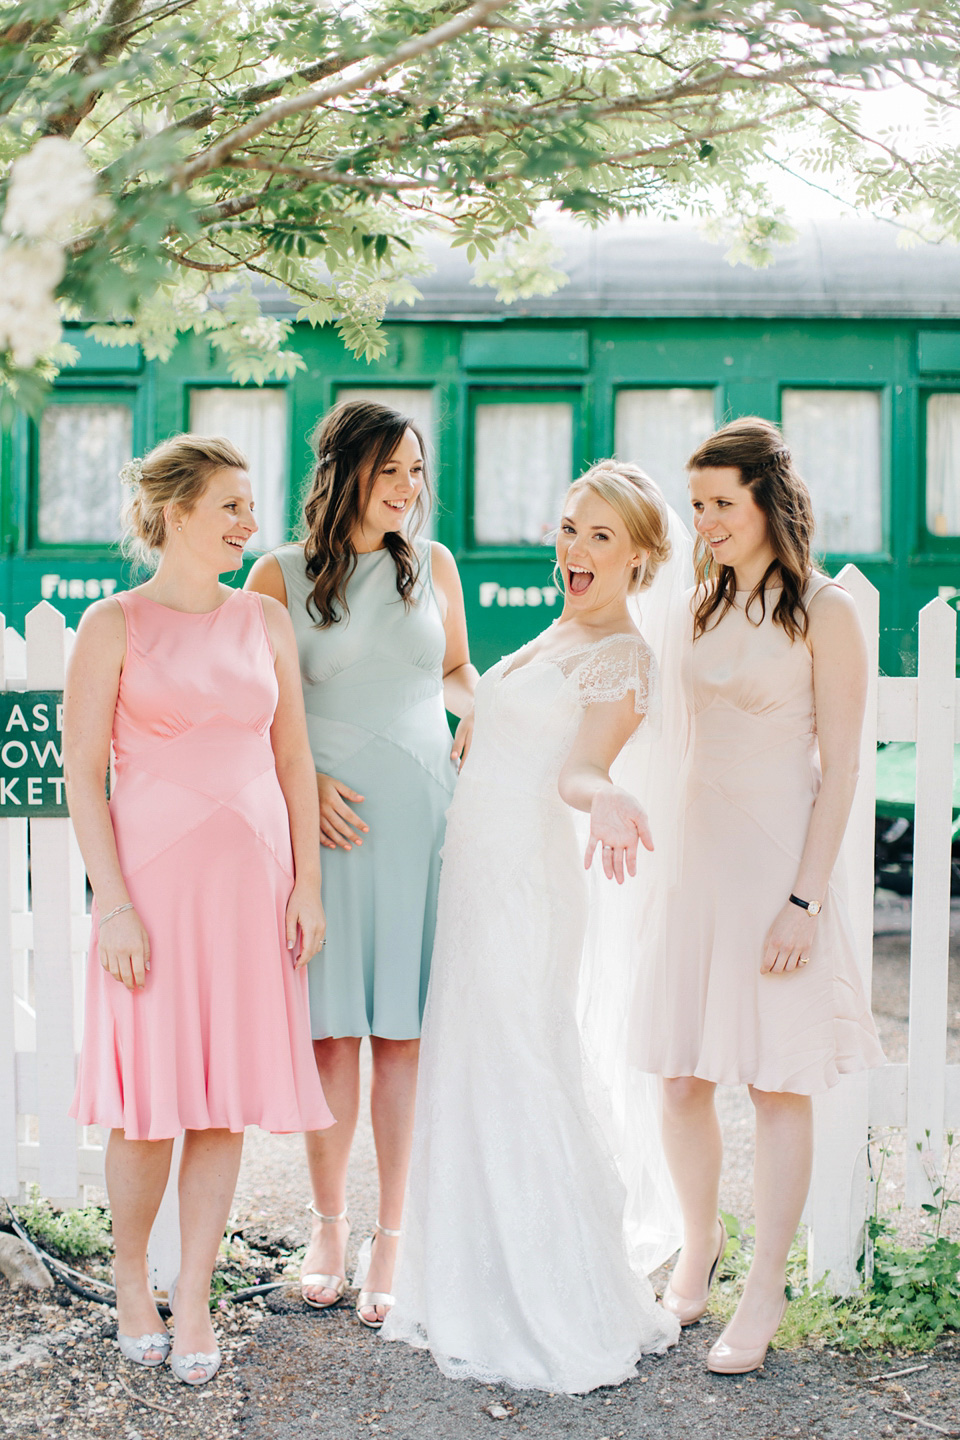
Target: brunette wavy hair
[
  {"x": 351, "y": 444},
  {"x": 756, "y": 448}
]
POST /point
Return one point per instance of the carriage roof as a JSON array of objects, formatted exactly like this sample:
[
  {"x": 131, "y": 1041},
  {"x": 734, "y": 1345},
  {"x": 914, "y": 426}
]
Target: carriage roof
[{"x": 846, "y": 267}]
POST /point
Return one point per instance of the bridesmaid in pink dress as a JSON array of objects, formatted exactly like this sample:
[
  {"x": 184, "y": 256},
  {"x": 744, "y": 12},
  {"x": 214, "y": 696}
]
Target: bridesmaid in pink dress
[
  {"x": 205, "y": 875},
  {"x": 761, "y": 984}
]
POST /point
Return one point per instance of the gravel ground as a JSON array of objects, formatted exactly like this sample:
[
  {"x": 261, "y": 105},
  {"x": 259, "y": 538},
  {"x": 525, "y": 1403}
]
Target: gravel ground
[{"x": 291, "y": 1374}]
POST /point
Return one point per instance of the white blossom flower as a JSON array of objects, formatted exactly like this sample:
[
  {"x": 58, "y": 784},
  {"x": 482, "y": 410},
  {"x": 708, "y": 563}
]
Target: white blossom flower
[
  {"x": 52, "y": 190},
  {"x": 29, "y": 315}
]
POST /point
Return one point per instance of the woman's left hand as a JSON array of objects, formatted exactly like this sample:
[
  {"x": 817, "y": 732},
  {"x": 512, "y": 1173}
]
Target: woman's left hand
[
  {"x": 617, "y": 824},
  {"x": 305, "y": 912},
  {"x": 788, "y": 941}
]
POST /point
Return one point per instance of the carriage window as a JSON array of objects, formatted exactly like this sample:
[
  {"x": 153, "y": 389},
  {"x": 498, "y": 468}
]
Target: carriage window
[
  {"x": 943, "y": 464},
  {"x": 659, "y": 431},
  {"x": 415, "y": 401},
  {"x": 256, "y": 422},
  {"x": 81, "y": 449},
  {"x": 835, "y": 439},
  {"x": 522, "y": 467}
]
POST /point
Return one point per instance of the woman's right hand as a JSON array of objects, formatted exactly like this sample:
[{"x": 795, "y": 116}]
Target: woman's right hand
[
  {"x": 124, "y": 949},
  {"x": 336, "y": 817},
  {"x": 617, "y": 825}
]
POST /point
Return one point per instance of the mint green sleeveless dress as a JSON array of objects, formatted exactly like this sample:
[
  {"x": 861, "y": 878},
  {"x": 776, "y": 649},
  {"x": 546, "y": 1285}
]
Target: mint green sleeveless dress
[{"x": 373, "y": 687}]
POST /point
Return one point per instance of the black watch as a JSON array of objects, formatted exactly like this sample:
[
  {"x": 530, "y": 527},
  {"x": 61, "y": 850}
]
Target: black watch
[{"x": 812, "y": 907}]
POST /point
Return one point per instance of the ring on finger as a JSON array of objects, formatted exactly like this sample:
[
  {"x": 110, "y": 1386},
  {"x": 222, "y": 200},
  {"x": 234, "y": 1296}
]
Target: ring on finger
[{"x": 804, "y": 960}]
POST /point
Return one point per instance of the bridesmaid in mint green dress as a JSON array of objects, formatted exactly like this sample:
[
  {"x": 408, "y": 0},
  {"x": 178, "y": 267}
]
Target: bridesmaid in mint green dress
[{"x": 379, "y": 621}]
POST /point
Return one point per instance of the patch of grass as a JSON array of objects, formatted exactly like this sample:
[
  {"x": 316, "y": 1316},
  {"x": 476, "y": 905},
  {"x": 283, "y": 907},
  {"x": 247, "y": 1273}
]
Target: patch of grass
[
  {"x": 67, "y": 1234},
  {"x": 910, "y": 1299}
]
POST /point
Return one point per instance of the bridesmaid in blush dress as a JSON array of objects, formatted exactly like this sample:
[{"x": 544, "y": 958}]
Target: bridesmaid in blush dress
[
  {"x": 206, "y": 881},
  {"x": 761, "y": 984}
]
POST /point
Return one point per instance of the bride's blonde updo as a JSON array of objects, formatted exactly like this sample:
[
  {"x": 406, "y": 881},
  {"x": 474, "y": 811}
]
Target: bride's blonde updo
[
  {"x": 640, "y": 504},
  {"x": 175, "y": 472}
]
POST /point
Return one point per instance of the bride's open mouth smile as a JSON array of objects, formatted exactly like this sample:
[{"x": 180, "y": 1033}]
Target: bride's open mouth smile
[{"x": 579, "y": 580}]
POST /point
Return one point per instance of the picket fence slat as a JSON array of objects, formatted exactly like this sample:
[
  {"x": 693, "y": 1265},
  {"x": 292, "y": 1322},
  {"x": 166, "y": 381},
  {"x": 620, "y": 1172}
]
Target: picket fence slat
[
  {"x": 834, "y": 1216},
  {"x": 930, "y": 914},
  {"x": 51, "y": 861},
  {"x": 8, "y": 1038}
]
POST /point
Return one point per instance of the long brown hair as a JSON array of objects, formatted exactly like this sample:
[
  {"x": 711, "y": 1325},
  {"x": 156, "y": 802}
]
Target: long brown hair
[
  {"x": 351, "y": 444},
  {"x": 755, "y": 447}
]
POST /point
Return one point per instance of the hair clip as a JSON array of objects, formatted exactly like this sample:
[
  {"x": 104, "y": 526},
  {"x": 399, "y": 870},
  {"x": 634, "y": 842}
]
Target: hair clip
[{"x": 131, "y": 473}]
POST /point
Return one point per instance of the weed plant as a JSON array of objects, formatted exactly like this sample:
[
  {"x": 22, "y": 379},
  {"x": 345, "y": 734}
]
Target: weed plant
[
  {"x": 68, "y": 1234},
  {"x": 909, "y": 1298}
]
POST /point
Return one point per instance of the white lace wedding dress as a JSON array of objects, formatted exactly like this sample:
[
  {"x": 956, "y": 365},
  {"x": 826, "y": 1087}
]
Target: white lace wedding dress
[{"x": 513, "y": 1264}]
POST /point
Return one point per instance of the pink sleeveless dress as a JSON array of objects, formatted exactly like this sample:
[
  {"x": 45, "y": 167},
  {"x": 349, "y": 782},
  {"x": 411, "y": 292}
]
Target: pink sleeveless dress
[
  {"x": 219, "y": 1036},
  {"x": 755, "y": 774}
]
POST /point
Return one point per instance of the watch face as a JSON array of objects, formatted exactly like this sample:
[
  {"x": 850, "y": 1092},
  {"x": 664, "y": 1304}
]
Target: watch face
[{"x": 814, "y": 907}]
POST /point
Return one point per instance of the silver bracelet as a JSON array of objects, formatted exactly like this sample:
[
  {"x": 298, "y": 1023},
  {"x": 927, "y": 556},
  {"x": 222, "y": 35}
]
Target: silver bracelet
[{"x": 117, "y": 911}]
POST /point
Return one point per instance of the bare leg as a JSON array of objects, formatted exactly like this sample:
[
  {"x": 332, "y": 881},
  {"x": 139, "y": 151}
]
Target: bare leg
[
  {"x": 393, "y": 1093},
  {"x": 208, "y": 1179},
  {"x": 328, "y": 1151},
  {"x": 781, "y": 1178},
  {"x": 136, "y": 1173},
  {"x": 694, "y": 1149}
]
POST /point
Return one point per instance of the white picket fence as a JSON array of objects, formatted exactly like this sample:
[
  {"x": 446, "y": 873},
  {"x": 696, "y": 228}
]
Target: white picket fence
[{"x": 44, "y": 931}]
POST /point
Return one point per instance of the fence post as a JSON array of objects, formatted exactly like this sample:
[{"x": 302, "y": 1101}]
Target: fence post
[
  {"x": 930, "y": 918},
  {"x": 9, "y": 1169},
  {"x": 51, "y": 860},
  {"x": 837, "y": 1207}
]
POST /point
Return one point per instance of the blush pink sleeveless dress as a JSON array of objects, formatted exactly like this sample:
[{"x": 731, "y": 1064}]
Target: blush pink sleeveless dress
[
  {"x": 706, "y": 1010},
  {"x": 219, "y": 1036}
]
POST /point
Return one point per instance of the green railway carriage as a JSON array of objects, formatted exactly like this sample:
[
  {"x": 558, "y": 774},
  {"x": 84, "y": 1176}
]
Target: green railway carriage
[{"x": 848, "y": 340}]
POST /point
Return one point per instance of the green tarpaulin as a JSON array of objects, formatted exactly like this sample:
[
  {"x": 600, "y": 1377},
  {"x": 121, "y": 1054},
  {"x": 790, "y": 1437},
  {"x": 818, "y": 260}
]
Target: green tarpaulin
[{"x": 897, "y": 781}]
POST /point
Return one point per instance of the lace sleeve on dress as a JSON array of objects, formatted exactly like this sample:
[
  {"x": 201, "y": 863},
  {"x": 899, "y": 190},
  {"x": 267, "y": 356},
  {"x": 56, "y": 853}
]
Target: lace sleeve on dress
[{"x": 624, "y": 663}]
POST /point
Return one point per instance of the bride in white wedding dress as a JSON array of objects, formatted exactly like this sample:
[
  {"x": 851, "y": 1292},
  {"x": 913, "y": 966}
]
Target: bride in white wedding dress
[{"x": 515, "y": 1263}]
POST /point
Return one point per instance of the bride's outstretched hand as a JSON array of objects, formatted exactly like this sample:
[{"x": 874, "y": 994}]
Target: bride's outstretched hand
[{"x": 617, "y": 824}]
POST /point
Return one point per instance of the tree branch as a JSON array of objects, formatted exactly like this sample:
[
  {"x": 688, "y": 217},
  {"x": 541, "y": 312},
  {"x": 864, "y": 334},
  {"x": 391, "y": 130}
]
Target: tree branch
[
  {"x": 110, "y": 34},
  {"x": 216, "y": 155},
  {"x": 269, "y": 89}
]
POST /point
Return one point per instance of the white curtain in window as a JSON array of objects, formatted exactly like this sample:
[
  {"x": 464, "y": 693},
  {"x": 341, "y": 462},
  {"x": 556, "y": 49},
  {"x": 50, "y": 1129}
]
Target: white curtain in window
[
  {"x": 82, "y": 448},
  {"x": 659, "y": 431},
  {"x": 835, "y": 438},
  {"x": 256, "y": 422},
  {"x": 943, "y": 464},
  {"x": 522, "y": 468},
  {"x": 418, "y": 403}
]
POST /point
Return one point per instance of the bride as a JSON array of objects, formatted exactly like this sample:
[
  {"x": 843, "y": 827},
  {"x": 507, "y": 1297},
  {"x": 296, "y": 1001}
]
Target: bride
[{"x": 516, "y": 1263}]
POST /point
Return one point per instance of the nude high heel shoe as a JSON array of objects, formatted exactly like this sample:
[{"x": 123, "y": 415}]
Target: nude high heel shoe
[
  {"x": 688, "y": 1312},
  {"x": 724, "y": 1359}
]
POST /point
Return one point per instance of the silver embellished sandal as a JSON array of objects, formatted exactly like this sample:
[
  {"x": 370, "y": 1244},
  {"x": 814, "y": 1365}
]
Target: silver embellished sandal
[
  {"x": 337, "y": 1283},
  {"x": 181, "y": 1365},
  {"x": 135, "y": 1348},
  {"x": 370, "y": 1299}
]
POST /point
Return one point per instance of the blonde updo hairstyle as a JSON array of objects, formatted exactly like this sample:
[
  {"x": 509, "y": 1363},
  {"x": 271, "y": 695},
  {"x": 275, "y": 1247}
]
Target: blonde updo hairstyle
[
  {"x": 640, "y": 504},
  {"x": 175, "y": 472}
]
